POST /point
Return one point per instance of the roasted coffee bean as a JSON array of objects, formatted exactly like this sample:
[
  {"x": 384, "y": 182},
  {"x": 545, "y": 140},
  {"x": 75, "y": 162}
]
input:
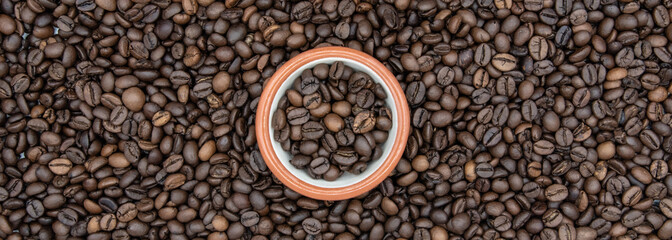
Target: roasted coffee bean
[
  {"x": 68, "y": 216},
  {"x": 319, "y": 165},
  {"x": 309, "y": 85},
  {"x": 538, "y": 48},
  {"x": 312, "y": 130},
  {"x": 107, "y": 222},
  {"x": 298, "y": 116},
  {"x": 564, "y": 33},
  {"x": 344, "y": 156},
  {"x": 302, "y": 12},
  {"x": 126, "y": 212},
  {"x": 632, "y": 196},
  {"x": 504, "y": 62},
  {"x": 60, "y": 166},
  {"x": 249, "y": 219},
  {"x": 415, "y": 93},
  {"x": 161, "y": 118},
  {"x": 364, "y": 122},
  {"x": 543, "y": 147},
  {"x": 311, "y": 226},
  {"x": 34, "y": 208},
  {"x": 85, "y": 5},
  {"x": 482, "y": 56},
  {"x": 556, "y": 192}
]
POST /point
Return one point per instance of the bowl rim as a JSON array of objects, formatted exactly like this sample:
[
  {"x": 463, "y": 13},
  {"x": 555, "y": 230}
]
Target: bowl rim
[{"x": 263, "y": 116}]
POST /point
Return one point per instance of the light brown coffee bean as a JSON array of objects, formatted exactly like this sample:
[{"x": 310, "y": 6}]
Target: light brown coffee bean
[
  {"x": 60, "y": 166},
  {"x": 504, "y": 62},
  {"x": 556, "y": 192}
]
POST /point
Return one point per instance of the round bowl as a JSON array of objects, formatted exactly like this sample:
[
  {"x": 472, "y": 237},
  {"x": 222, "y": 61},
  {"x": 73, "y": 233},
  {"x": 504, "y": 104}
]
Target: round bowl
[{"x": 347, "y": 185}]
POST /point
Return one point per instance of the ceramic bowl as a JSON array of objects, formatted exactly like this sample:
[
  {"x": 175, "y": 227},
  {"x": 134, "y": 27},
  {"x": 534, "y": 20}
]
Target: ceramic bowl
[{"x": 347, "y": 185}]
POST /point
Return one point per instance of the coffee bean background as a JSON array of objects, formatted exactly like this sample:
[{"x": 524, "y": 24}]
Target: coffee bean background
[{"x": 532, "y": 119}]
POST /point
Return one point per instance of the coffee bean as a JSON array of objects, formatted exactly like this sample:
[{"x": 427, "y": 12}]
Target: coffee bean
[
  {"x": 126, "y": 212},
  {"x": 173, "y": 181},
  {"x": 564, "y": 137},
  {"x": 309, "y": 85},
  {"x": 529, "y": 110},
  {"x": 298, "y": 116},
  {"x": 364, "y": 122},
  {"x": 665, "y": 206},
  {"x": 543, "y": 147},
  {"x": 533, "y": 5},
  {"x": 581, "y": 97},
  {"x": 67, "y": 216},
  {"x": 611, "y": 213},
  {"x": 501, "y": 223},
  {"x": 556, "y": 192},
  {"x": 538, "y": 48},
  {"x": 481, "y": 78},
  {"x": 564, "y": 33},
  {"x": 311, "y": 226},
  {"x": 531, "y": 190},
  {"x": 202, "y": 89},
  {"x": 118, "y": 115},
  {"x": 632, "y": 196},
  {"x": 319, "y": 165},
  {"x": 504, "y": 62},
  {"x": 482, "y": 55},
  {"x": 658, "y": 169},
  {"x": 415, "y": 93},
  {"x": 552, "y": 218},
  {"x": 650, "y": 139},
  {"x": 346, "y": 8},
  {"x": 484, "y": 170},
  {"x": 365, "y": 98},
  {"x": 302, "y": 12},
  {"x": 161, "y": 118},
  {"x": 312, "y": 130},
  {"x": 345, "y": 137},
  {"x": 108, "y": 222},
  {"x": 249, "y": 219},
  {"x": 20, "y": 83},
  {"x": 344, "y": 156},
  {"x": 34, "y": 208},
  {"x": 445, "y": 76},
  {"x": 60, "y": 166},
  {"x": 633, "y": 218},
  {"x": 134, "y": 99},
  {"x": 336, "y": 71},
  {"x": 85, "y": 5}
]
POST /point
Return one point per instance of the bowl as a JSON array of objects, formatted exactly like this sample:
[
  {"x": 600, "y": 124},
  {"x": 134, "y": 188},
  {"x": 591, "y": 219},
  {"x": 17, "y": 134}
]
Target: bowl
[{"x": 347, "y": 185}]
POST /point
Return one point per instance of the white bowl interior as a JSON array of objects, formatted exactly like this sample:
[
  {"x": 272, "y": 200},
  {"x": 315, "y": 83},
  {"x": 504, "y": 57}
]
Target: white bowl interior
[{"x": 347, "y": 178}]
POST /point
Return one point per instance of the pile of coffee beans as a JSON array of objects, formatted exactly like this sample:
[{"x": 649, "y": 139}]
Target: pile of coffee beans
[
  {"x": 531, "y": 119},
  {"x": 332, "y": 119}
]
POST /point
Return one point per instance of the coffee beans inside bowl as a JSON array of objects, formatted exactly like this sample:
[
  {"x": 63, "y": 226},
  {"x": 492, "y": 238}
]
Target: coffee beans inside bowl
[{"x": 333, "y": 119}]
